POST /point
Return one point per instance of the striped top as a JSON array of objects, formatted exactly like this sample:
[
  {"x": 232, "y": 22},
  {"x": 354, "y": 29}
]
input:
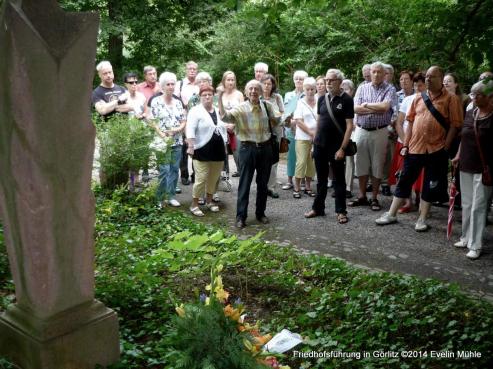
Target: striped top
[
  {"x": 251, "y": 121},
  {"x": 369, "y": 93}
]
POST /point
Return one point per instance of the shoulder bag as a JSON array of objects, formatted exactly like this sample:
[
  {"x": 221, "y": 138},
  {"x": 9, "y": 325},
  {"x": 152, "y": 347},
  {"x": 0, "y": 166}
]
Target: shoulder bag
[
  {"x": 273, "y": 138},
  {"x": 436, "y": 114},
  {"x": 486, "y": 177},
  {"x": 351, "y": 148}
]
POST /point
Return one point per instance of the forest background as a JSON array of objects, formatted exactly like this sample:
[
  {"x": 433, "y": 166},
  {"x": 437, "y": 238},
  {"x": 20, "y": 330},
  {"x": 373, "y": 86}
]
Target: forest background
[{"x": 293, "y": 34}]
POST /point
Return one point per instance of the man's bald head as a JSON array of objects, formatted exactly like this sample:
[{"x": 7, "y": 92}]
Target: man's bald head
[
  {"x": 485, "y": 75},
  {"x": 434, "y": 79}
]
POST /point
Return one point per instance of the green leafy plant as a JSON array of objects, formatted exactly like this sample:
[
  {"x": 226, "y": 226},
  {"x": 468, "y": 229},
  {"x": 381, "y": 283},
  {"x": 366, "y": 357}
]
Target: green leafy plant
[
  {"x": 147, "y": 259},
  {"x": 124, "y": 146},
  {"x": 213, "y": 334}
]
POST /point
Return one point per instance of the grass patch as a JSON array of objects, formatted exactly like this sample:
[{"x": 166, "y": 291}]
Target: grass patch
[{"x": 148, "y": 260}]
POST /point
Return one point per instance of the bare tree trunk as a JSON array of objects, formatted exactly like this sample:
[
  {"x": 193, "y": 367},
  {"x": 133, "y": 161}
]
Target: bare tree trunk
[{"x": 115, "y": 41}]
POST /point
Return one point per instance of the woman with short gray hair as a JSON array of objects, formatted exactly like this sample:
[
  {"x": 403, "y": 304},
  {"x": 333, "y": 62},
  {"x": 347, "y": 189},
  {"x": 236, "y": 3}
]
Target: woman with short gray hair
[
  {"x": 202, "y": 79},
  {"x": 305, "y": 117},
  {"x": 474, "y": 155},
  {"x": 290, "y": 102},
  {"x": 168, "y": 119}
]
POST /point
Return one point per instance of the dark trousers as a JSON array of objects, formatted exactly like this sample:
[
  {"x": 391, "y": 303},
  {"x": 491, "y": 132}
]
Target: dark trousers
[
  {"x": 435, "y": 179},
  {"x": 184, "y": 161},
  {"x": 324, "y": 159},
  {"x": 253, "y": 159}
]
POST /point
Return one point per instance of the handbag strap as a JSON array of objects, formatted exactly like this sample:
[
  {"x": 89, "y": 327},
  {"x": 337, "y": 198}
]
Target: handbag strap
[
  {"x": 268, "y": 118},
  {"x": 478, "y": 142},
  {"x": 329, "y": 109},
  {"x": 436, "y": 114},
  {"x": 310, "y": 108}
]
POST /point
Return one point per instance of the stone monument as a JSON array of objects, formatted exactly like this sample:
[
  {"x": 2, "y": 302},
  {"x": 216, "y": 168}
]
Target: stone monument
[{"x": 47, "y": 60}]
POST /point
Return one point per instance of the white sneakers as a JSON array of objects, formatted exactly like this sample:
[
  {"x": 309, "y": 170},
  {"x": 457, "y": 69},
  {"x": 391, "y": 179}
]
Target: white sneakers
[
  {"x": 174, "y": 203},
  {"x": 386, "y": 218},
  {"x": 461, "y": 243},
  {"x": 473, "y": 254},
  {"x": 421, "y": 226}
]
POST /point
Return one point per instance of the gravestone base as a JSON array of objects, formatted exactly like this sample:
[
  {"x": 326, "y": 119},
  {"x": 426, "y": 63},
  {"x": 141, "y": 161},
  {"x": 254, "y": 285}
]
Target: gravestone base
[{"x": 78, "y": 338}]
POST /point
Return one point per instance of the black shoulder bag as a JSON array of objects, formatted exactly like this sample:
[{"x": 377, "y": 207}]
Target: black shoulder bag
[
  {"x": 351, "y": 148},
  {"x": 274, "y": 141},
  {"x": 436, "y": 114}
]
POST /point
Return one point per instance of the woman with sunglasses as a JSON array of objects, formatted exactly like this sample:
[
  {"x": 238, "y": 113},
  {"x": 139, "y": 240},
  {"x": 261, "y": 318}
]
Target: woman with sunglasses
[{"x": 135, "y": 99}]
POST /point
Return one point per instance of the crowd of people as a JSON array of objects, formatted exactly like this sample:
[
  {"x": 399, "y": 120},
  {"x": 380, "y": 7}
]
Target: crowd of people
[{"x": 406, "y": 139}]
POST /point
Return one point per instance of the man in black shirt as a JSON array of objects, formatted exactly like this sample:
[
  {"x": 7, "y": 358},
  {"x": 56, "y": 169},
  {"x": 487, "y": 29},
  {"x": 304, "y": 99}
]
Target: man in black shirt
[
  {"x": 330, "y": 141},
  {"x": 109, "y": 98}
]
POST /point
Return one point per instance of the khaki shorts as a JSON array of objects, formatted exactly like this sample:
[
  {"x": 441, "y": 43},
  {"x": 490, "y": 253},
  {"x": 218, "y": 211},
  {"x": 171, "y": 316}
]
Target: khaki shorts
[
  {"x": 305, "y": 166},
  {"x": 372, "y": 151}
]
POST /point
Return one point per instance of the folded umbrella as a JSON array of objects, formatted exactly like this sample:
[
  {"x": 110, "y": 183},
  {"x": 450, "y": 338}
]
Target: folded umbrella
[{"x": 451, "y": 202}]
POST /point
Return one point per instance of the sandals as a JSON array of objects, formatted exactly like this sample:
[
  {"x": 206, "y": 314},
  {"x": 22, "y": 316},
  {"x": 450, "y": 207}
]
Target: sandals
[
  {"x": 342, "y": 218},
  {"x": 287, "y": 186},
  {"x": 212, "y": 207},
  {"x": 312, "y": 214},
  {"x": 360, "y": 201},
  {"x": 375, "y": 205},
  {"x": 309, "y": 193},
  {"x": 297, "y": 194},
  {"x": 201, "y": 201},
  {"x": 196, "y": 211}
]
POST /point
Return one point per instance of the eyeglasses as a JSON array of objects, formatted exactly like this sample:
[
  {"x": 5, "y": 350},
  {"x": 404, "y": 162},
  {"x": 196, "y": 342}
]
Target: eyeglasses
[
  {"x": 328, "y": 80},
  {"x": 472, "y": 95},
  {"x": 132, "y": 82}
]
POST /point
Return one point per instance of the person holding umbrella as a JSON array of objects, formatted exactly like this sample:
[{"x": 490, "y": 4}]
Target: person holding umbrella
[{"x": 475, "y": 159}]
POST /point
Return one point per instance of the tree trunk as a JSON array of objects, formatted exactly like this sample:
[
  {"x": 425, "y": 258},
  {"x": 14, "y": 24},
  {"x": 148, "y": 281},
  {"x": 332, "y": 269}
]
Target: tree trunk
[{"x": 115, "y": 41}]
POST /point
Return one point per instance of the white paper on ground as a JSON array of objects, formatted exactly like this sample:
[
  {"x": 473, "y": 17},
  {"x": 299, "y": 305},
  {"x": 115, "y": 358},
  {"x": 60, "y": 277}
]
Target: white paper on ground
[{"x": 283, "y": 341}]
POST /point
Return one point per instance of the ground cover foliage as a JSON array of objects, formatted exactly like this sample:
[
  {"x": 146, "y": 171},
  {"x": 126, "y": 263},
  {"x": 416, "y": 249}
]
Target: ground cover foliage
[{"x": 150, "y": 260}]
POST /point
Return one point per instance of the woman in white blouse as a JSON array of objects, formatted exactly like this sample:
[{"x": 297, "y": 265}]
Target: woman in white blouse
[
  {"x": 305, "y": 117},
  {"x": 206, "y": 136}
]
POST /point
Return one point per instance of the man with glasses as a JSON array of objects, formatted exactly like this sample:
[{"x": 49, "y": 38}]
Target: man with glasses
[
  {"x": 188, "y": 86},
  {"x": 335, "y": 112},
  {"x": 109, "y": 98}
]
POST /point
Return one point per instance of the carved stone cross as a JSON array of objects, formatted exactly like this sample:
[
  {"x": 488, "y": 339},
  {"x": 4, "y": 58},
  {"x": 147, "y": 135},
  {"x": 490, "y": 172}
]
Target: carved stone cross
[{"x": 47, "y": 208}]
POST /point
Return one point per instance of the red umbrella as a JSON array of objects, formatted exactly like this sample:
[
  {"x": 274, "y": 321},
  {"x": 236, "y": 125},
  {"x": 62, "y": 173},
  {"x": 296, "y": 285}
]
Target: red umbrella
[{"x": 452, "y": 193}]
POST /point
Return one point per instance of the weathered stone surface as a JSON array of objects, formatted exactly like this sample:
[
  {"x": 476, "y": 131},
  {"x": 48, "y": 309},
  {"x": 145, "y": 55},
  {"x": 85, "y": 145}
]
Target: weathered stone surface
[{"x": 47, "y": 207}]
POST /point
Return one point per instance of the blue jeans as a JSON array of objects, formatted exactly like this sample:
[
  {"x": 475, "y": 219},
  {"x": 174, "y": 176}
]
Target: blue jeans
[{"x": 168, "y": 175}]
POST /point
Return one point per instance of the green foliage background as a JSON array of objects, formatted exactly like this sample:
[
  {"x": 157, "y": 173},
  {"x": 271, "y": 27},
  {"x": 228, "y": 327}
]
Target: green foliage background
[{"x": 295, "y": 34}]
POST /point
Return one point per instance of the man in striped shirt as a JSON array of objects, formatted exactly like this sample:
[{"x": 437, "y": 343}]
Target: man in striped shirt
[
  {"x": 252, "y": 119},
  {"x": 373, "y": 105}
]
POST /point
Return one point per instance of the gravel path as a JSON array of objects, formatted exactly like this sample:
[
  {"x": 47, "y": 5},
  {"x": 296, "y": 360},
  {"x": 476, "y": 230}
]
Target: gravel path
[{"x": 393, "y": 248}]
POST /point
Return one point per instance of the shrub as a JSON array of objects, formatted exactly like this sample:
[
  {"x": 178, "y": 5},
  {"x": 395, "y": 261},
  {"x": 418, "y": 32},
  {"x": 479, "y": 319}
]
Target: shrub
[{"x": 124, "y": 146}]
